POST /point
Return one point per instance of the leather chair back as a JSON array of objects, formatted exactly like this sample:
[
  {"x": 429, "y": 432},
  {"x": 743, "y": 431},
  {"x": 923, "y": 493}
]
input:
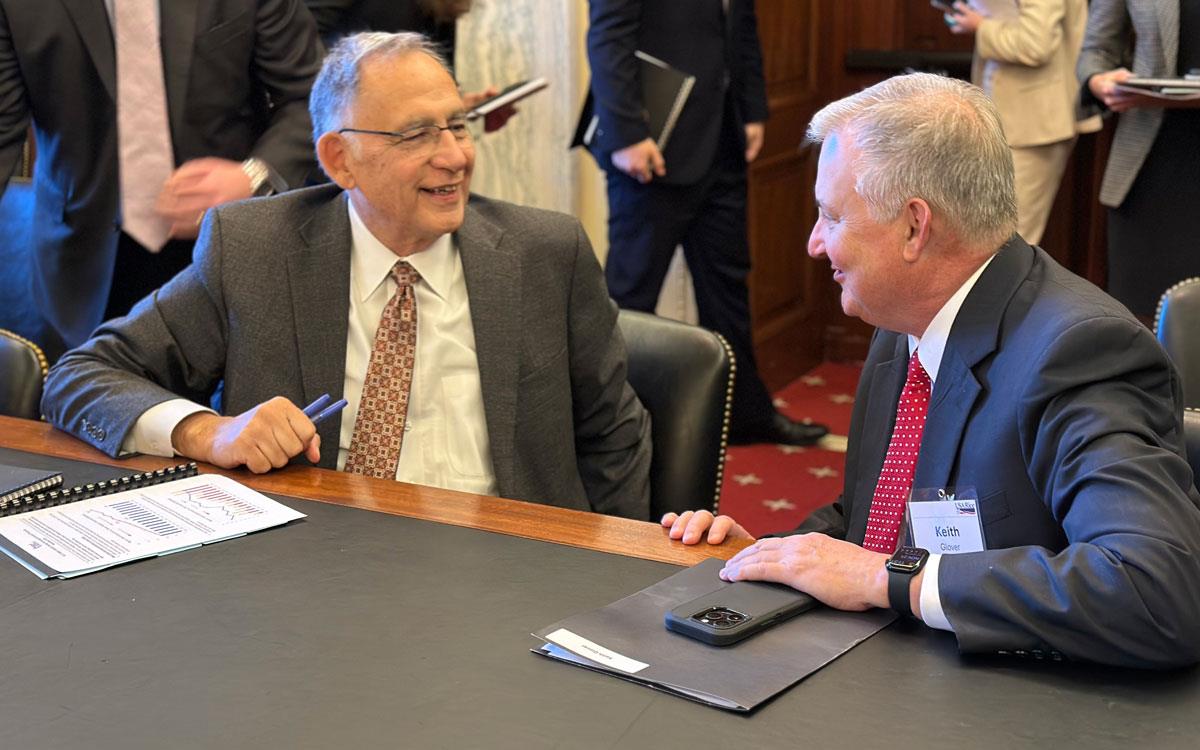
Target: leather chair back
[
  {"x": 683, "y": 375},
  {"x": 1191, "y": 441},
  {"x": 22, "y": 371},
  {"x": 1177, "y": 325}
]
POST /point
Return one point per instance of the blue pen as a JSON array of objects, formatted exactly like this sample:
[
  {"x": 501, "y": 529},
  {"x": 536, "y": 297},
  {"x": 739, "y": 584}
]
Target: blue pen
[
  {"x": 329, "y": 411},
  {"x": 312, "y": 409}
]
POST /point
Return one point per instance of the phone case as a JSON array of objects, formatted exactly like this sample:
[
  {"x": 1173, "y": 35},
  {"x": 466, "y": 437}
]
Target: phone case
[{"x": 760, "y": 605}]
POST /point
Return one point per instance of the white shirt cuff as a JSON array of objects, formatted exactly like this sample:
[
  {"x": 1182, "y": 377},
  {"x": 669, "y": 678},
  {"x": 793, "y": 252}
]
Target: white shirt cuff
[
  {"x": 931, "y": 600},
  {"x": 151, "y": 433}
]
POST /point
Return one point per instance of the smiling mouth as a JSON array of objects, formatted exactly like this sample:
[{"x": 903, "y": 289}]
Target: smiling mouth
[{"x": 444, "y": 190}]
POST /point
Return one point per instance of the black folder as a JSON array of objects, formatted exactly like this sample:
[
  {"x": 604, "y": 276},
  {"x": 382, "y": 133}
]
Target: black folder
[
  {"x": 665, "y": 91},
  {"x": 627, "y": 639}
]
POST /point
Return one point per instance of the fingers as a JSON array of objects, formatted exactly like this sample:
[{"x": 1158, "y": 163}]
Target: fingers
[
  {"x": 691, "y": 526},
  {"x": 265, "y": 437},
  {"x": 657, "y": 163}
]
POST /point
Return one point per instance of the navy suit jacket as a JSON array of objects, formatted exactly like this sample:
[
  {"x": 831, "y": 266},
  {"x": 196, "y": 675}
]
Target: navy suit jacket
[
  {"x": 693, "y": 36},
  {"x": 1064, "y": 414}
]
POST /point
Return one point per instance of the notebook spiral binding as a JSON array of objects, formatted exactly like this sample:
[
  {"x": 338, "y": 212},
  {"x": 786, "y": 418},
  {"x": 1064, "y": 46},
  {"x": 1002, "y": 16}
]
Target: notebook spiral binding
[{"x": 96, "y": 489}]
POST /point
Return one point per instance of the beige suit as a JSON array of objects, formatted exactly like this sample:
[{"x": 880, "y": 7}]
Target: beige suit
[{"x": 1026, "y": 64}]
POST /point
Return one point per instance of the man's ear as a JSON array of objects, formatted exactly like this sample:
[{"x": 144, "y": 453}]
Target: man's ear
[
  {"x": 919, "y": 223},
  {"x": 333, "y": 152}
]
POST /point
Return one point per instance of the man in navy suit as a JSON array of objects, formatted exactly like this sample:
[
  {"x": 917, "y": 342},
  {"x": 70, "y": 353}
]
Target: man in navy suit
[
  {"x": 235, "y": 76},
  {"x": 1041, "y": 393},
  {"x": 694, "y": 192}
]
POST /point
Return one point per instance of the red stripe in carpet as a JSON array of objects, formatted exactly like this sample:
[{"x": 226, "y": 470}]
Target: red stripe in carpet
[{"x": 770, "y": 488}]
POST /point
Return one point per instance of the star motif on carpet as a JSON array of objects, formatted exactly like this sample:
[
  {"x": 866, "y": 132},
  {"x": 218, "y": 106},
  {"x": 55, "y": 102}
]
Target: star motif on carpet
[
  {"x": 822, "y": 472},
  {"x": 813, "y": 381},
  {"x": 779, "y": 403},
  {"x": 745, "y": 479},
  {"x": 842, "y": 398},
  {"x": 788, "y": 450},
  {"x": 780, "y": 504}
]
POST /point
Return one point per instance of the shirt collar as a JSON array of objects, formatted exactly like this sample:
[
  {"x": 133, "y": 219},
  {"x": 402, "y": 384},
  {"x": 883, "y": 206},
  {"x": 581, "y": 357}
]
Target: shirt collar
[
  {"x": 371, "y": 261},
  {"x": 932, "y": 342}
]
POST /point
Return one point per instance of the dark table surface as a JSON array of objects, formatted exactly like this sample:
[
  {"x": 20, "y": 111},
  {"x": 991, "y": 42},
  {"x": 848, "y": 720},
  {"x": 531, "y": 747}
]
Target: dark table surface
[{"x": 356, "y": 629}]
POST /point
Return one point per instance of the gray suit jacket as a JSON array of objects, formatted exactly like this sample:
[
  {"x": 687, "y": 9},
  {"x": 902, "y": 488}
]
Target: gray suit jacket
[
  {"x": 1113, "y": 26},
  {"x": 264, "y": 306},
  {"x": 1063, "y": 413}
]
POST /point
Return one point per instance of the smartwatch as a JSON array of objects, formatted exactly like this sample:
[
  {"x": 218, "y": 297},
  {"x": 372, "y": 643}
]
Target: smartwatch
[{"x": 903, "y": 565}]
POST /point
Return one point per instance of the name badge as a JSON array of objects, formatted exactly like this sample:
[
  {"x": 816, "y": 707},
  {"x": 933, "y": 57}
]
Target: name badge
[{"x": 945, "y": 522}]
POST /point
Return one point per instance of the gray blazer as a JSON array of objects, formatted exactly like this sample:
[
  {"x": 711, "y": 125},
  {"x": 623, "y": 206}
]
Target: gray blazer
[
  {"x": 265, "y": 303},
  {"x": 1152, "y": 28}
]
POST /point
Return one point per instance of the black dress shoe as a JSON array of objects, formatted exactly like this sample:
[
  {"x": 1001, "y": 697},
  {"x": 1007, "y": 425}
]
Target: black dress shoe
[{"x": 782, "y": 430}]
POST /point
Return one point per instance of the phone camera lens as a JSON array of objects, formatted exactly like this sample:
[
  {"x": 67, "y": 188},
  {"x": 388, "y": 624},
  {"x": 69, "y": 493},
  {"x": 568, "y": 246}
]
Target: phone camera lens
[{"x": 734, "y": 617}]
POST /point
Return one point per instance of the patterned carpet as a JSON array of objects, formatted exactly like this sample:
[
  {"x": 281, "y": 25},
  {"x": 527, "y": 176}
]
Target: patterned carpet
[{"x": 772, "y": 488}]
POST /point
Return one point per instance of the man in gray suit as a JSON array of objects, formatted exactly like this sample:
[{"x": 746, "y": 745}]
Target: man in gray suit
[
  {"x": 999, "y": 374},
  {"x": 518, "y": 379}
]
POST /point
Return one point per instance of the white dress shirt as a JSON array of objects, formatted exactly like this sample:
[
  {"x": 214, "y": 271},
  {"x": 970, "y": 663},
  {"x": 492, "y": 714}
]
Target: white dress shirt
[
  {"x": 932, "y": 344},
  {"x": 446, "y": 440}
]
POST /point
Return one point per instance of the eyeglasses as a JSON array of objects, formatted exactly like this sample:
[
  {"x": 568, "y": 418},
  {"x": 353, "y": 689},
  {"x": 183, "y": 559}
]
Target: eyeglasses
[{"x": 422, "y": 140}]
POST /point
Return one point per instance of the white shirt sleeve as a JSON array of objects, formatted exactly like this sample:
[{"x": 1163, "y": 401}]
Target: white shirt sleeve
[
  {"x": 151, "y": 433},
  {"x": 931, "y": 599}
]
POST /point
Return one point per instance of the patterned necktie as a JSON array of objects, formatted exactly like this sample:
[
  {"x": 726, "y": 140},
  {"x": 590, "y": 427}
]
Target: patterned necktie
[
  {"x": 379, "y": 428},
  {"x": 143, "y": 131},
  {"x": 895, "y": 481}
]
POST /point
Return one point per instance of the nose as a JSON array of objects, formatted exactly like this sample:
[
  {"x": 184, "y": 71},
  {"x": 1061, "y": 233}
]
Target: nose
[
  {"x": 452, "y": 154},
  {"x": 816, "y": 244}
]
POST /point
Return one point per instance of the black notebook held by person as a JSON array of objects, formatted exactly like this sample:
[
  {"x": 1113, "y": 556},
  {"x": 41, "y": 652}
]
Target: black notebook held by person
[
  {"x": 17, "y": 482},
  {"x": 665, "y": 91}
]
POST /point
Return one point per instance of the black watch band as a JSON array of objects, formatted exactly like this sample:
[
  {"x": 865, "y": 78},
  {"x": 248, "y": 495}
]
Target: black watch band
[{"x": 903, "y": 565}]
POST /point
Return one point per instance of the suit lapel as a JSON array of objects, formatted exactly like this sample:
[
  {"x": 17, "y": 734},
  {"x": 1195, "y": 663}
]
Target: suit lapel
[
  {"x": 318, "y": 269},
  {"x": 493, "y": 273},
  {"x": 887, "y": 380},
  {"x": 92, "y": 23},
  {"x": 178, "y": 41},
  {"x": 974, "y": 336}
]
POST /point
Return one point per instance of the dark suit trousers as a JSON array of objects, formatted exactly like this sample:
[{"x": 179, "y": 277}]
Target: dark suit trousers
[
  {"x": 137, "y": 271},
  {"x": 647, "y": 222}
]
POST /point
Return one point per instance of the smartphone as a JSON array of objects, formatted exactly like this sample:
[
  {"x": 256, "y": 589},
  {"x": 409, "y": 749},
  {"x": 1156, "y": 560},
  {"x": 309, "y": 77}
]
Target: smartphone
[
  {"x": 737, "y": 610},
  {"x": 510, "y": 95},
  {"x": 945, "y": 7}
]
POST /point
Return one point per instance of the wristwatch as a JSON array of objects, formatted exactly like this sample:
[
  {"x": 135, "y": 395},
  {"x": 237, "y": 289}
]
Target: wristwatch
[
  {"x": 260, "y": 177},
  {"x": 903, "y": 565}
]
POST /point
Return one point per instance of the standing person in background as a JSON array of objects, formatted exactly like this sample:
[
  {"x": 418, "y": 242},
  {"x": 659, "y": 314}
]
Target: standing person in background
[
  {"x": 1152, "y": 182},
  {"x": 694, "y": 192},
  {"x": 437, "y": 20},
  {"x": 1025, "y": 53},
  {"x": 145, "y": 114}
]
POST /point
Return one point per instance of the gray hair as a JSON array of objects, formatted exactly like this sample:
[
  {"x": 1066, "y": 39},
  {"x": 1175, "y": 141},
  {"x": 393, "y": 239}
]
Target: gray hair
[
  {"x": 337, "y": 84},
  {"x": 927, "y": 136}
]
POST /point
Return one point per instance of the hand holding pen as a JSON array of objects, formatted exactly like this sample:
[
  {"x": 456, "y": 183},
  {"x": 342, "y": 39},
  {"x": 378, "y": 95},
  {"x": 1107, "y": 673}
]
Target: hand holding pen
[{"x": 264, "y": 437}]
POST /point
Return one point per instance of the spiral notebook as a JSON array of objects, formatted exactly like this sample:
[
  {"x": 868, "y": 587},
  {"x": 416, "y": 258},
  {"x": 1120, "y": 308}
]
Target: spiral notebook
[
  {"x": 71, "y": 532},
  {"x": 40, "y": 491},
  {"x": 17, "y": 482}
]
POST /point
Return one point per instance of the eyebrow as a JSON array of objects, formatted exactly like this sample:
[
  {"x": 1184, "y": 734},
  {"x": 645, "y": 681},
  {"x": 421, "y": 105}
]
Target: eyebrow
[{"x": 421, "y": 122}]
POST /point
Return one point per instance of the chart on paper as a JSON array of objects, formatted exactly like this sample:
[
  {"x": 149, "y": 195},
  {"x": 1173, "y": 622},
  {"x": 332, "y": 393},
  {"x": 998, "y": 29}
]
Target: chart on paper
[{"x": 92, "y": 534}]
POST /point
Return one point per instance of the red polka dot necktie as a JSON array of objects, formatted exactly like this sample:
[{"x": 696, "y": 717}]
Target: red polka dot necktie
[
  {"x": 383, "y": 408},
  {"x": 895, "y": 480}
]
